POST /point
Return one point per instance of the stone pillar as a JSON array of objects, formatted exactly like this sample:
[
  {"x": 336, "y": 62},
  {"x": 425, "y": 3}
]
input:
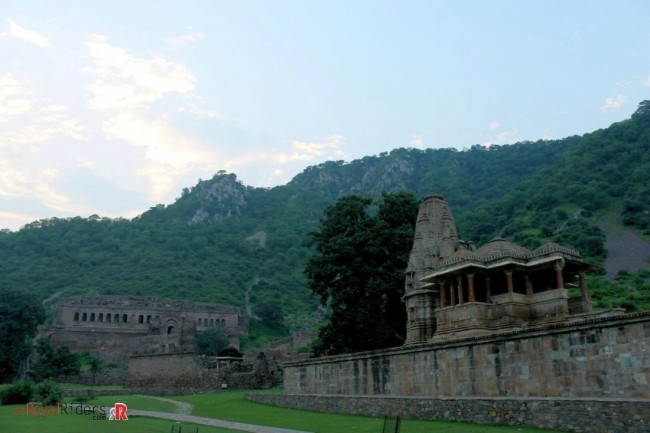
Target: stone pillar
[
  {"x": 470, "y": 287},
  {"x": 460, "y": 290},
  {"x": 452, "y": 290},
  {"x": 511, "y": 287},
  {"x": 583, "y": 286},
  {"x": 488, "y": 289},
  {"x": 529, "y": 284},
  {"x": 558, "y": 273},
  {"x": 443, "y": 295}
]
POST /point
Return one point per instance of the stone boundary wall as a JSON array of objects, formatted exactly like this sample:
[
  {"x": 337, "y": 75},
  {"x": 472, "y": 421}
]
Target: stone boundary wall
[
  {"x": 179, "y": 373},
  {"x": 97, "y": 392},
  {"x": 571, "y": 414},
  {"x": 103, "y": 378},
  {"x": 606, "y": 357}
]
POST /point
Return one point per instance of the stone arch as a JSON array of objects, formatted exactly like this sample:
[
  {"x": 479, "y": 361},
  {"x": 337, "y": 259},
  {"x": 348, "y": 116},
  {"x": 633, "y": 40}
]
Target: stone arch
[
  {"x": 116, "y": 318},
  {"x": 223, "y": 323},
  {"x": 211, "y": 322},
  {"x": 108, "y": 317},
  {"x": 170, "y": 326},
  {"x": 141, "y": 318},
  {"x": 92, "y": 317},
  {"x": 124, "y": 318},
  {"x": 84, "y": 317},
  {"x": 100, "y": 318},
  {"x": 199, "y": 322},
  {"x": 76, "y": 316}
]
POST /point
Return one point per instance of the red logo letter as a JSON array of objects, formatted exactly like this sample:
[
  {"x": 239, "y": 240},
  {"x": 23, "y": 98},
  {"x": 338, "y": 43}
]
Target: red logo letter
[{"x": 120, "y": 412}]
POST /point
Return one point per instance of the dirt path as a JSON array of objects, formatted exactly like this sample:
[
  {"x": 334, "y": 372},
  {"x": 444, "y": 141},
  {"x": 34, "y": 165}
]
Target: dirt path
[
  {"x": 211, "y": 422},
  {"x": 182, "y": 407}
]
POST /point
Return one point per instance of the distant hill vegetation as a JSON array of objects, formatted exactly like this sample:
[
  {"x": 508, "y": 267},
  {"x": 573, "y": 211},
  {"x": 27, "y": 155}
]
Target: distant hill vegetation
[{"x": 226, "y": 242}]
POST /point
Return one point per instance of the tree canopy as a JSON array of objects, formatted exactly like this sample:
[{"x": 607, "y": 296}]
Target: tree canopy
[
  {"x": 20, "y": 314},
  {"x": 358, "y": 271}
]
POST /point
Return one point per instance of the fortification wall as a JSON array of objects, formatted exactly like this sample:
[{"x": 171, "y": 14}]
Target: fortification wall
[{"x": 606, "y": 357}]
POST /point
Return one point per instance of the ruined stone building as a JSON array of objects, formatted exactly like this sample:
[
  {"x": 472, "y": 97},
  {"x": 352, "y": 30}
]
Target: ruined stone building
[
  {"x": 116, "y": 326},
  {"x": 454, "y": 288}
]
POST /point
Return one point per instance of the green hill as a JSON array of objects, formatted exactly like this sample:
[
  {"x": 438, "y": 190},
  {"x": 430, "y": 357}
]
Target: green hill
[{"x": 222, "y": 241}]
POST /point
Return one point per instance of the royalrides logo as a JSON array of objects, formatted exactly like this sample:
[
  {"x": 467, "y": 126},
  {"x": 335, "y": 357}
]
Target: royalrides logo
[{"x": 97, "y": 413}]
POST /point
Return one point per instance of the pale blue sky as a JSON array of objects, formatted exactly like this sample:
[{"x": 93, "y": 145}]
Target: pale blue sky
[{"x": 112, "y": 107}]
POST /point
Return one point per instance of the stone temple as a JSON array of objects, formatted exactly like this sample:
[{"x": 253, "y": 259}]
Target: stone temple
[
  {"x": 493, "y": 337},
  {"x": 452, "y": 288}
]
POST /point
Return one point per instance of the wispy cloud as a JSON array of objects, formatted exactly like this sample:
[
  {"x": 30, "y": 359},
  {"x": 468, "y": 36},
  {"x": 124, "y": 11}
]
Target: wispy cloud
[
  {"x": 168, "y": 154},
  {"x": 182, "y": 40},
  {"x": 646, "y": 82},
  {"x": 281, "y": 161},
  {"x": 614, "y": 103},
  {"x": 14, "y": 97},
  {"x": 416, "y": 141},
  {"x": 31, "y": 36},
  {"x": 124, "y": 81},
  {"x": 128, "y": 90}
]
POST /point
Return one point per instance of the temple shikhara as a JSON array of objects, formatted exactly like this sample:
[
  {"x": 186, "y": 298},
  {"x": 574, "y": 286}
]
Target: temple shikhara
[{"x": 453, "y": 288}]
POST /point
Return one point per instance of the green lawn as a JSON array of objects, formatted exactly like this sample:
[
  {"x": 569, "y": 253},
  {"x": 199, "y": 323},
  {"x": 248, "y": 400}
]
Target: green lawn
[
  {"x": 134, "y": 402},
  {"x": 230, "y": 406},
  {"x": 12, "y": 423}
]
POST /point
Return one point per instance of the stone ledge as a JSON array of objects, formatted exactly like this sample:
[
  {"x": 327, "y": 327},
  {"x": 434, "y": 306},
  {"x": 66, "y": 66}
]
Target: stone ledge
[
  {"x": 601, "y": 415},
  {"x": 603, "y": 322}
]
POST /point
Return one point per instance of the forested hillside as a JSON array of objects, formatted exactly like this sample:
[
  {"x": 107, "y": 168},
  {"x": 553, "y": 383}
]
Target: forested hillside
[{"x": 222, "y": 241}]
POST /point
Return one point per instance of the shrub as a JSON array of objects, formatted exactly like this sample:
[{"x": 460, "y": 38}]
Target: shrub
[
  {"x": 49, "y": 392},
  {"x": 17, "y": 393}
]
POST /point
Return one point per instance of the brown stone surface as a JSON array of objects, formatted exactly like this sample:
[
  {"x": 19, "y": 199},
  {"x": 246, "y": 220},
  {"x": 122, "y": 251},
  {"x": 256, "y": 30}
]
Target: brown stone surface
[
  {"x": 606, "y": 357},
  {"x": 568, "y": 414},
  {"x": 116, "y": 326}
]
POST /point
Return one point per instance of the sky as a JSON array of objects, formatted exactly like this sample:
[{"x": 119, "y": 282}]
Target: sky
[{"x": 110, "y": 108}]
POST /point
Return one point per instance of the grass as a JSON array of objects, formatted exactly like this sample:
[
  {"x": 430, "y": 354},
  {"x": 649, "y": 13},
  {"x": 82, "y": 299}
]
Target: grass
[
  {"x": 232, "y": 406},
  {"x": 12, "y": 423},
  {"x": 134, "y": 402}
]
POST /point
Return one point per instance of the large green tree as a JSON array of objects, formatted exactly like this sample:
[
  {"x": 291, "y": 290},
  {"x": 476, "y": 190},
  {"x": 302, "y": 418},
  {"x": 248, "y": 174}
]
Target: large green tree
[
  {"x": 20, "y": 314},
  {"x": 361, "y": 251}
]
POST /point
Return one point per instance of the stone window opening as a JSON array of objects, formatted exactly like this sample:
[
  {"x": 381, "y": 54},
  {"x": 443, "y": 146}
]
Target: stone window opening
[
  {"x": 76, "y": 316},
  {"x": 170, "y": 329},
  {"x": 116, "y": 318},
  {"x": 92, "y": 317},
  {"x": 108, "y": 317},
  {"x": 124, "y": 318},
  {"x": 84, "y": 317},
  {"x": 199, "y": 322},
  {"x": 211, "y": 322},
  {"x": 141, "y": 319},
  {"x": 100, "y": 318},
  {"x": 223, "y": 323},
  {"x": 148, "y": 318}
]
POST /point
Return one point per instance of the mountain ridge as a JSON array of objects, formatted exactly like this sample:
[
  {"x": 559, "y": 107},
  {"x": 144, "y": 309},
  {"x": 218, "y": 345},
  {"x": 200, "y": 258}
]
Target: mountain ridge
[{"x": 206, "y": 245}]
